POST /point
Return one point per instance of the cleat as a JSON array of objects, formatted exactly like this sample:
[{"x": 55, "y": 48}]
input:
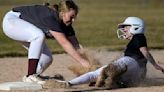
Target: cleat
[{"x": 33, "y": 79}]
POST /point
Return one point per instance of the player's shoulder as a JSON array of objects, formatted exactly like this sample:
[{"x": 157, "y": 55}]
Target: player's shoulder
[{"x": 139, "y": 36}]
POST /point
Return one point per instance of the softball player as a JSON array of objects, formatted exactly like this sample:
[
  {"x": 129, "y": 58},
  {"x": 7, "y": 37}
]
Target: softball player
[
  {"x": 135, "y": 58},
  {"x": 30, "y": 25}
]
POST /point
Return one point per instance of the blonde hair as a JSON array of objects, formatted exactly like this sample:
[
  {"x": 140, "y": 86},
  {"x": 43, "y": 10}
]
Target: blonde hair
[{"x": 64, "y": 5}]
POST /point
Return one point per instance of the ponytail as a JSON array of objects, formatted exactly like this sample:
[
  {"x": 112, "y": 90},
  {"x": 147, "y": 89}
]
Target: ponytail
[
  {"x": 54, "y": 6},
  {"x": 46, "y": 4}
]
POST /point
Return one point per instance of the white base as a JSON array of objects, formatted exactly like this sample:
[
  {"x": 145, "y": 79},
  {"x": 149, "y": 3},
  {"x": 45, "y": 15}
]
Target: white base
[{"x": 19, "y": 86}]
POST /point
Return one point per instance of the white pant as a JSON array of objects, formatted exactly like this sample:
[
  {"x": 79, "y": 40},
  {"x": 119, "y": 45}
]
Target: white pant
[
  {"x": 134, "y": 72},
  {"x": 31, "y": 37}
]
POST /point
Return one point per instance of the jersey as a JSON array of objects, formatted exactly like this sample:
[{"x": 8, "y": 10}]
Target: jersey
[
  {"x": 44, "y": 18},
  {"x": 133, "y": 49}
]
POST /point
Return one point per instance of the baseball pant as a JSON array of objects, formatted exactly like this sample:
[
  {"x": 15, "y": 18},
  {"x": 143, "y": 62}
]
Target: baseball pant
[{"x": 31, "y": 37}]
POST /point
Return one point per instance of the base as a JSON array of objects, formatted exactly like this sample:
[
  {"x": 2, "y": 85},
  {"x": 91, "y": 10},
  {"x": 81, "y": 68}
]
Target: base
[{"x": 19, "y": 86}]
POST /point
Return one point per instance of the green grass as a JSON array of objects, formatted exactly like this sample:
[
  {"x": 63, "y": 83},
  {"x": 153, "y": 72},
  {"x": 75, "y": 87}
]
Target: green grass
[{"x": 96, "y": 23}]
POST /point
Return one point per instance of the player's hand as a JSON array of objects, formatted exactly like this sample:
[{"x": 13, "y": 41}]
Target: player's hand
[
  {"x": 84, "y": 63},
  {"x": 159, "y": 68}
]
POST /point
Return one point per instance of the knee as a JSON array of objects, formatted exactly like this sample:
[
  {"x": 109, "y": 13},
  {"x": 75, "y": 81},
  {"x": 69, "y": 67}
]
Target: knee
[
  {"x": 50, "y": 60},
  {"x": 39, "y": 37}
]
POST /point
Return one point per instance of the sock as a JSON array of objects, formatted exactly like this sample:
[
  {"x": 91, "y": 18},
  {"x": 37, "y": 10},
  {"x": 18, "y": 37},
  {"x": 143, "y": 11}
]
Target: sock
[{"x": 32, "y": 66}]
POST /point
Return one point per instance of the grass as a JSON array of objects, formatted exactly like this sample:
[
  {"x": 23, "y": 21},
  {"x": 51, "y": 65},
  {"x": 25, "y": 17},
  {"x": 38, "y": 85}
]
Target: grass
[{"x": 96, "y": 24}]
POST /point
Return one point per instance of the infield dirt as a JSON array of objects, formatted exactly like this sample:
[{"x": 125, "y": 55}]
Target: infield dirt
[{"x": 13, "y": 69}]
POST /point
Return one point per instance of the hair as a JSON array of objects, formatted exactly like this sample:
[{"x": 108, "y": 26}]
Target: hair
[{"x": 64, "y": 5}]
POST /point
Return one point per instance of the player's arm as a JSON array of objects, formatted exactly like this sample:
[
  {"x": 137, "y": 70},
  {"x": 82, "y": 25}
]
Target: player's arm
[
  {"x": 74, "y": 41},
  {"x": 68, "y": 47},
  {"x": 150, "y": 58}
]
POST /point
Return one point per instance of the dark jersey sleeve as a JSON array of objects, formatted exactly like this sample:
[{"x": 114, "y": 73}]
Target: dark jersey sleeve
[{"x": 70, "y": 31}]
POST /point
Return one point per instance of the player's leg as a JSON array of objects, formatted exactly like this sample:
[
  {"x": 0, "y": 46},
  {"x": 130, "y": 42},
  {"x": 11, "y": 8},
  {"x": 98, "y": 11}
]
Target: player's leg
[
  {"x": 35, "y": 37},
  {"x": 109, "y": 75},
  {"x": 87, "y": 77},
  {"x": 133, "y": 73},
  {"x": 45, "y": 58},
  {"x": 101, "y": 78},
  {"x": 22, "y": 31}
]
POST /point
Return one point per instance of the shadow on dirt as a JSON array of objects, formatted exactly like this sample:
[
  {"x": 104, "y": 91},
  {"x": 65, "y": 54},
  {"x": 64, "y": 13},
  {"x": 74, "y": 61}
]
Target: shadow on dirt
[{"x": 152, "y": 82}]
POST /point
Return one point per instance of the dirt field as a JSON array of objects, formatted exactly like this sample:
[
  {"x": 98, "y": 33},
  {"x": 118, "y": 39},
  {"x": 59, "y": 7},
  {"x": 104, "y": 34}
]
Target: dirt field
[{"x": 13, "y": 69}]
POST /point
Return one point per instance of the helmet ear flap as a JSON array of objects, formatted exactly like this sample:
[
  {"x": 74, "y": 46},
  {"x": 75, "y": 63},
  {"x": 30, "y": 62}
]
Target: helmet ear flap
[{"x": 137, "y": 30}]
